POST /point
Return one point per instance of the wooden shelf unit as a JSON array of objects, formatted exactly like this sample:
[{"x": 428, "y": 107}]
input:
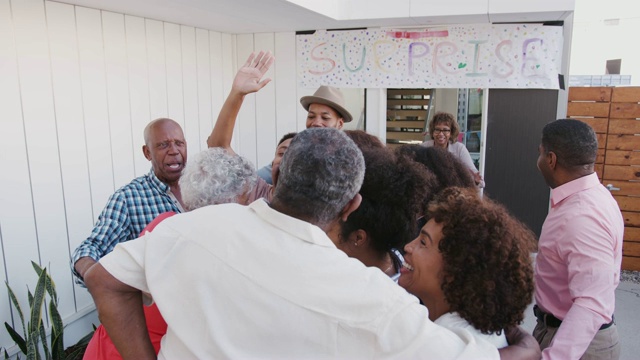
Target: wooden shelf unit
[{"x": 407, "y": 114}]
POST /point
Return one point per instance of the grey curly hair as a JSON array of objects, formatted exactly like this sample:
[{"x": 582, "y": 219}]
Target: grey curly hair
[
  {"x": 215, "y": 176},
  {"x": 321, "y": 172}
]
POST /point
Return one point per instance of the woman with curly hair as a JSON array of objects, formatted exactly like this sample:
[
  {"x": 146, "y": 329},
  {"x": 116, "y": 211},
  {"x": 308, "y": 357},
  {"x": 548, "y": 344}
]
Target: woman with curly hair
[
  {"x": 448, "y": 170},
  {"x": 471, "y": 265},
  {"x": 444, "y": 131},
  {"x": 391, "y": 197}
]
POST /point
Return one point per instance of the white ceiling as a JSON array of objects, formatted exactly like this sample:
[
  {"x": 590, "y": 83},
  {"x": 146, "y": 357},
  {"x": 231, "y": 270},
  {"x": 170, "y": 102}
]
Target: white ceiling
[{"x": 258, "y": 16}]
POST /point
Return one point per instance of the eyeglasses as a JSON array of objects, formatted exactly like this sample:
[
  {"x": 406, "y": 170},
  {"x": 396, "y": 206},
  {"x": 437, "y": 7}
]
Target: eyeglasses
[{"x": 444, "y": 131}]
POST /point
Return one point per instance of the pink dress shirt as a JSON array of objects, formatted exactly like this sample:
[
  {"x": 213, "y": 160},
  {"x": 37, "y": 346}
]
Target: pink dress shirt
[{"x": 578, "y": 263}]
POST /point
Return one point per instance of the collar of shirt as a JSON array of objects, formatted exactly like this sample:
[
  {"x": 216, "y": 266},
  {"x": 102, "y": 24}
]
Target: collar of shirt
[
  {"x": 295, "y": 227},
  {"x": 163, "y": 188},
  {"x": 157, "y": 183},
  {"x": 580, "y": 184}
]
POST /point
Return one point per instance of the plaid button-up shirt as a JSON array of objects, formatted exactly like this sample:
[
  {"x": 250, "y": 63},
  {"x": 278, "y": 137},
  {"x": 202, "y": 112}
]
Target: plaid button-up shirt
[{"x": 126, "y": 214}]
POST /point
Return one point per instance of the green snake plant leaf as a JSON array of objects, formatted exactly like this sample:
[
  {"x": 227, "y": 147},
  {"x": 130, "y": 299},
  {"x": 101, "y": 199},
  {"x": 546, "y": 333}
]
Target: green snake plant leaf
[
  {"x": 57, "y": 330},
  {"x": 36, "y": 306},
  {"x": 32, "y": 346},
  {"x": 15, "y": 302},
  {"x": 30, "y": 296},
  {"x": 74, "y": 355},
  {"x": 19, "y": 340},
  {"x": 50, "y": 285},
  {"x": 43, "y": 339}
]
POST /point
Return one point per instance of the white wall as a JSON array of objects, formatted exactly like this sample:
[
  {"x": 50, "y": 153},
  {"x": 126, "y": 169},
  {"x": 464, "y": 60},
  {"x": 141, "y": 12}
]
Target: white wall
[
  {"x": 596, "y": 41},
  {"x": 77, "y": 87}
]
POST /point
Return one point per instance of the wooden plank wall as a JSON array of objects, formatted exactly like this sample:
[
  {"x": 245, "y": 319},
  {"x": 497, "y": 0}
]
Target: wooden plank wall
[
  {"x": 77, "y": 86},
  {"x": 614, "y": 113}
]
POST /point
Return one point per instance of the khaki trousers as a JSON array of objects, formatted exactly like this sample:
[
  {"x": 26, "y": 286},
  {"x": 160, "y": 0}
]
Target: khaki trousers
[{"x": 604, "y": 346}]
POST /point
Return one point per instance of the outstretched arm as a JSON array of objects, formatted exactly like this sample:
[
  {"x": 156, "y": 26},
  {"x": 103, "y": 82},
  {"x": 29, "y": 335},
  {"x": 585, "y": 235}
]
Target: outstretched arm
[
  {"x": 521, "y": 345},
  {"x": 248, "y": 80},
  {"x": 120, "y": 311}
]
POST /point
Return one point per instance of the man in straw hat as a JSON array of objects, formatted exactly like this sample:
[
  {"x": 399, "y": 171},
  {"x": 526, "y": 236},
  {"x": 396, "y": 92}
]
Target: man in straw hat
[{"x": 326, "y": 108}]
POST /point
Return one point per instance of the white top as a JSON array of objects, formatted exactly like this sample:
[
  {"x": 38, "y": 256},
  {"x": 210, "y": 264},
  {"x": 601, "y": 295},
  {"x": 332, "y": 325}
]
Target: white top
[
  {"x": 245, "y": 282},
  {"x": 454, "y": 321},
  {"x": 459, "y": 151}
]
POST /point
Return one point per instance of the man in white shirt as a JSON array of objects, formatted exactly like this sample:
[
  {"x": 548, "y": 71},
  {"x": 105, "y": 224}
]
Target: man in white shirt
[{"x": 266, "y": 281}]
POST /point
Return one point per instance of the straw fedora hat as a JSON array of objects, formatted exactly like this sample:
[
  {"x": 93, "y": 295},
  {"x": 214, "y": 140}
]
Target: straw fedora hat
[{"x": 329, "y": 96}]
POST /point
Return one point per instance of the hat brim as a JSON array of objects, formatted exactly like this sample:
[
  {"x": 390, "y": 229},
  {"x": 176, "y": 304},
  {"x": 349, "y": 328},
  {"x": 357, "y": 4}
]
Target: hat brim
[{"x": 306, "y": 101}]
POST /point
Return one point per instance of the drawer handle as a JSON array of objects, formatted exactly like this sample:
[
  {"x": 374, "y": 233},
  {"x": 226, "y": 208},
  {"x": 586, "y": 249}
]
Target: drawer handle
[{"x": 610, "y": 187}]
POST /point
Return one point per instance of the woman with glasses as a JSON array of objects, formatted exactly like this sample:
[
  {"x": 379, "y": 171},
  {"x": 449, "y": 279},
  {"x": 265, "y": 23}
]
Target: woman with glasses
[{"x": 444, "y": 131}]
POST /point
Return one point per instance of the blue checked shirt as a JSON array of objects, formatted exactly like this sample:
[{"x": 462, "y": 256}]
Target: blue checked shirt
[{"x": 126, "y": 214}]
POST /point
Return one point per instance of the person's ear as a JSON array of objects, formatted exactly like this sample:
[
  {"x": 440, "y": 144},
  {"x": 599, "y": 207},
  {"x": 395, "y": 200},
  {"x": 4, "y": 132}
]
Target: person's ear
[
  {"x": 340, "y": 123},
  {"x": 552, "y": 160},
  {"x": 351, "y": 206},
  {"x": 358, "y": 238},
  {"x": 146, "y": 152}
]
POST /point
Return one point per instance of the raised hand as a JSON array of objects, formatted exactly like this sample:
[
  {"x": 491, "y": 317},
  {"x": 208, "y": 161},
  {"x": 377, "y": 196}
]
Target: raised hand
[{"x": 249, "y": 77}]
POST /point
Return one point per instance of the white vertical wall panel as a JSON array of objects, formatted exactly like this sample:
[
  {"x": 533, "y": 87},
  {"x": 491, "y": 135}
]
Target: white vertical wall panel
[
  {"x": 157, "y": 68},
  {"x": 77, "y": 88},
  {"x": 247, "y": 116},
  {"x": 229, "y": 69},
  {"x": 5, "y": 311},
  {"x": 190, "y": 85},
  {"x": 74, "y": 167},
  {"x": 115, "y": 52},
  {"x": 138, "y": 88},
  {"x": 218, "y": 95},
  {"x": 94, "y": 95},
  {"x": 19, "y": 241},
  {"x": 376, "y": 110},
  {"x": 287, "y": 101},
  {"x": 204, "y": 89},
  {"x": 173, "y": 55},
  {"x": 42, "y": 146},
  {"x": 266, "y": 138}
]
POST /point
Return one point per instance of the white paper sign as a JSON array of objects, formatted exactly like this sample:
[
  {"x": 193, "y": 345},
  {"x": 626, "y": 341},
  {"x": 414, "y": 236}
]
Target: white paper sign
[{"x": 462, "y": 56}]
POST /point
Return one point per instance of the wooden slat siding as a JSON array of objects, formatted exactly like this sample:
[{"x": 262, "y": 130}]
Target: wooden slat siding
[
  {"x": 590, "y": 94},
  {"x": 628, "y": 203},
  {"x": 625, "y": 110},
  {"x": 630, "y": 263},
  {"x": 599, "y": 170},
  {"x": 602, "y": 141},
  {"x": 400, "y": 114},
  {"x": 419, "y": 124},
  {"x": 622, "y": 157},
  {"x": 631, "y": 248},
  {"x": 404, "y": 92},
  {"x": 588, "y": 109},
  {"x": 408, "y": 102},
  {"x": 618, "y": 148},
  {"x": 624, "y": 126},
  {"x": 397, "y": 135},
  {"x": 600, "y": 158},
  {"x": 599, "y": 125},
  {"x": 617, "y": 172},
  {"x": 632, "y": 234},
  {"x": 631, "y": 218},
  {"x": 626, "y": 187},
  {"x": 621, "y": 142},
  {"x": 626, "y": 94}
]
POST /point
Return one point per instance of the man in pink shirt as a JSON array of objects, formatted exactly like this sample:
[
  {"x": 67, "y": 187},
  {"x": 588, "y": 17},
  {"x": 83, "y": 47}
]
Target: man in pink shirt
[{"x": 580, "y": 250}]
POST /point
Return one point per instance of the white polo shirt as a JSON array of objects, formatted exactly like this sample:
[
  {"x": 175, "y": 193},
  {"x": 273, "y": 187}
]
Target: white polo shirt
[{"x": 249, "y": 282}]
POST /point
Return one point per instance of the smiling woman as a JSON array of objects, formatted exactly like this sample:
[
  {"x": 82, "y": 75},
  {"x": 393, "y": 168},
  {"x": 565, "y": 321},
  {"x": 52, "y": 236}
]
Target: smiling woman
[{"x": 471, "y": 265}]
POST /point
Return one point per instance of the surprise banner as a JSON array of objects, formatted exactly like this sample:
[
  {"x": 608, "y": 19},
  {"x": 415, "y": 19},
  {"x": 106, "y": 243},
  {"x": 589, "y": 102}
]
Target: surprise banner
[{"x": 464, "y": 56}]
